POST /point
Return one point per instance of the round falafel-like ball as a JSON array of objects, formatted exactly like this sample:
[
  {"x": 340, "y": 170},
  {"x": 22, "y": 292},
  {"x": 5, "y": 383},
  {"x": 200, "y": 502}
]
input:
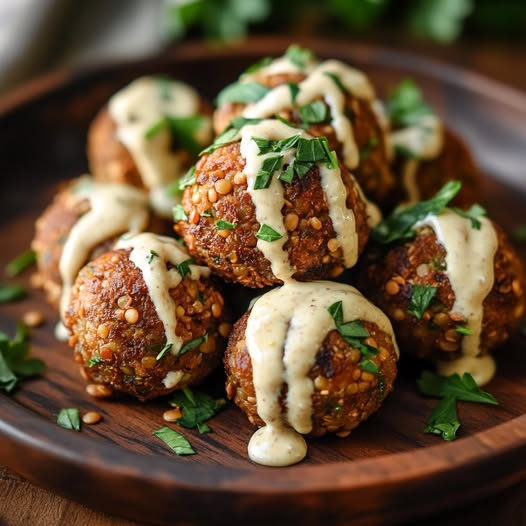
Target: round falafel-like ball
[
  {"x": 149, "y": 135},
  {"x": 144, "y": 320},
  {"x": 83, "y": 221},
  {"x": 329, "y": 99},
  {"x": 253, "y": 227},
  {"x": 335, "y": 378},
  {"x": 454, "y": 292}
]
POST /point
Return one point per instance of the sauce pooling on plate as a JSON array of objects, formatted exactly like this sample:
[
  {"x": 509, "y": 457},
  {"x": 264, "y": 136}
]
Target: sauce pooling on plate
[
  {"x": 470, "y": 256},
  {"x": 285, "y": 329},
  {"x": 158, "y": 258}
]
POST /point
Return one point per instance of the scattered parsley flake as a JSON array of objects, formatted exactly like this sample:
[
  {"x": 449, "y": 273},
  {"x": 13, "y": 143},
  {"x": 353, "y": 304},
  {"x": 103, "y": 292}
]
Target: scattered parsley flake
[
  {"x": 402, "y": 151},
  {"x": 69, "y": 418},
  {"x": 188, "y": 179},
  {"x": 20, "y": 263},
  {"x": 179, "y": 213},
  {"x": 174, "y": 440},
  {"x": 406, "y": 106},
  {"x": 463, "y": 330},
  {"x": 228, "y": 136},
  {"x": 443, "y": 421},
  {"x": 294, "y": 90},
  {"x": 10, "y": 293},
  {"x": 369, "y": 366},
  {"x": 167, "y": 347},
  {"x": 95, "y": 360},
  {"x": 155, "y": 128},
  {"x": 243, "y": 92},
  {"x": 197, "y": 407},
  {"x": 225, "y": 225},
  {"x": 238, "y": 122},
  {"x": 265, "y": 61},
  {"x": 184, "y": 267},
  {"x": 151, "y": 256},
  {"x": 265, "y": 173},
  {"x": 337, "y": 81},
  {"x": 192, "y": 344},
  {"x": 314, "y": 112},
  {"x": 299, "y": 56},
  {"x": 267, "y": 233},
  {"x": 421, "y": 296},
  {"x": 472, "y": 214}
]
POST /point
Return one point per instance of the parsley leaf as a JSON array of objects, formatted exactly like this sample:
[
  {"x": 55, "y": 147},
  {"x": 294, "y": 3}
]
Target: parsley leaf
[
  {"x": 179, "y": 213},
  {"x": 192, "y": 344},
  {"x": 294, "y": 90},
  {"x": 337, "y": 81},
  {"x": 472, "y": 214},
  {"x": 167, "y": 347},
  {"x": 316, "y": 150},
  {"x": 184, "y": 267},
  {"x": 405, "y": 105},
  {"x": 11, "y": 292},
  {"x": 69, "y": 418},
  {"x": 299, "y": 56},
  {"x": 238, "y": 122},
  {"x": 463, "y": 330},
  {"x": 95, "y": 360},
  {"x": 152, "y": 256},
  {"x": 20, "y": 263},
  {"x": 225, "y": 225},
  {"x": 228, "y": 136},
  {"x": 267, "y": 233},
  {"x": 268, "y": 146},
  {"x": 182, "y": 129},
  {"x": 174, "y": 440},
  {"x": 399, "y": 225},
  {"x": 197, "y": 407},
  {"x": 444, "y": 420},
  {"x": 314, "y": 113},
  {"x": 421, "y": 297},
  {"x": 265, "y": 61},
  {"x": 243, "y": 92},
  {"x": 369, "y": 366},
  {"x": 265, "y": 173}
]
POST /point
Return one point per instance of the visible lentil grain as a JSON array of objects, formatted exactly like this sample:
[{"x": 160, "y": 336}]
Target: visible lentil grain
[
  {"x": 198, "y": 307},
  {"x": 291, "y": 222},
  {"x": 516, "y": 287},
  {"x": 131, "y": 315},
  {"x": 355, "y": 355},
  {"x": 179, "y": 311},
  {"x": 148, "y": 362},
  {"x": 398, "y": 314},
  {"x": 367, "y": 377},
  {"x": 356, "y": 374},
  {"x": 315, "y": 223},
  {"x": 399, "y": 279},
  {"x": 448, "y": 346},
  {"x": 33, "y": 318},
  {"x": 441, "y": 319},
  {"x": 212, "y": 195},
  {"x": 422, "y": 269},
  {"x": 127, "y": 370},
  {"x": 99, "y": 390},
  {"x": 194, "y": 217},
  {"x": 224, "y": 329},
  {"x": 352, "y": 388},
  {"x": 451, "y": 335},
  {"x": 208, "y": 346},
  {"x": 223, "y": 233},
  {"x": 216, "y": 310},
  {"x": 106, "y": 353},
  {"x": 392, "y": 287},
  {"x": 172, "y": 415},
  {"x": 103, "y": 331},
  {"x": 457, "y": 316},
  {"x": 333, "y": 245},
  {"x": 240, "y": 178},
  {"x": 91, "y": 417},
  {"x": 223, "y": 186},
  {"x": 325, "y": 259},
  {"x": 196, "y": 198},
  {"x": 320, "y": 382},
  {"x": 343, "y": 434}
]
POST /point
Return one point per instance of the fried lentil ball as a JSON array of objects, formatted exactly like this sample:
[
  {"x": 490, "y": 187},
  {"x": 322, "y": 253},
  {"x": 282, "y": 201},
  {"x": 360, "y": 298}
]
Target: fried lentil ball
[
  {"x": 344, "y": 394},
  {"x": 455, "y": 162},
  {"x": 111, "y": 160},
  {"x": 118, "y": 337},
  {"x": 220, "y": 193},
  {"x": 389, "y": 277},
  {"x": 373, "y": 172},
  {"x": 53, "y": 227}
]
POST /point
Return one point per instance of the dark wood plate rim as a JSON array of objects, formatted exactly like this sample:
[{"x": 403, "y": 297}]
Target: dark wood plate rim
[{"x": 496, "y": 456}]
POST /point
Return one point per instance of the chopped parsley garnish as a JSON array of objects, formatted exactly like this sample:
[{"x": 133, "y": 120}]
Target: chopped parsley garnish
[
  {"x": 11, "y": 292},
  {"x": 399, "y": 225},
  {"x": 287, "y": 122},
  {"x": 472, "y": 214},
  {"x": 402, "y": 151},
  {"x": 192, "y": 344},
  {"x": 405, "y": 105},
  {"x": 69, "y": 418},
  {"x": 265, "y": 173},
  {"x": 95, "y": 360},
  {"x": 519, "y": 234},
  {"x": 265, "y": 61},
  {"x": 337, "y": 81},
  {"x": 314, "y": 113},
  {"x": 268, "y": 146},
  {"x": 238, "y": 122},
  {"x": 243, "y": 92},
  {"x": 197, "y": 407},
  {"x": 353, "y": 332},
  {"x": 155, "y": 128},
  {"x": 294, "y": 90},
  {"x": 225, "y": 225},
  {"x": 188, "y": 179},
  {"x": 23, "y": 261},
  {"x": 174, "y": 440},
  {"x": 152, "y": 256},
  {"x": 179, "y": 213},
  {"x": 444, "y": 420},
  {"x": 184, "y": 267},
  {"x": 182, "y": 129},
  {"x": 15, "y": 364},
  {"x": 167, "y": 347},
  {"x": 421, "y": 296},
  {"x": 316, "y": 150},
  {"x": 299, "y": 56},
  {"x": 463, "y": 330},
  {"x": 228, "y": 136},
  {"x": 267, "y": 233},
  {"x": 372, "y": 143},
  {"x": 206, "y": 213}
]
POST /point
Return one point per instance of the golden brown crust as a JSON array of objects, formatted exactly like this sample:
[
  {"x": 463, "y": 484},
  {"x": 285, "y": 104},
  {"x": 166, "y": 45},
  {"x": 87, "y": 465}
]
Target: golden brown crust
[
  {"x": 233, "y": 253},
  {"x": 344, "y": 395},
  {"x": 113, "y": 322},
  {"x": 388, "y": 281}
]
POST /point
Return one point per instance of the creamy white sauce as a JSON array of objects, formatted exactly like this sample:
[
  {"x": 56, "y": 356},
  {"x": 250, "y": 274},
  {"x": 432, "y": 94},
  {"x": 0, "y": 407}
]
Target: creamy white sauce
[
  {"x": 281, "y": 65},
  {"x": 470, "y": 256},
  {"x": 268, "y": 202},
  {"x": 142, "y": 104},
  {"x": 114, "y": 209},
  {"x": 172, "y": 379},
  {"x": 319, "y": 84},
  {"x": 425, "y": 140},
  {"x": 481, "y": 368},
  {"x": 285, "y": 330},
  {"x": 151, "y": 253}
]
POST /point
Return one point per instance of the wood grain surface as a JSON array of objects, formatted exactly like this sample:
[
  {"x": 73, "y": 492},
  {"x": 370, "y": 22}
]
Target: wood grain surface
[{"x": 386, "y": 472}]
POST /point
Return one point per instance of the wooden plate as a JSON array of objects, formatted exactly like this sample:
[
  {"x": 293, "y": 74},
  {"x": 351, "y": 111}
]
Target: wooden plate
[{"x": 388, "y": 470}]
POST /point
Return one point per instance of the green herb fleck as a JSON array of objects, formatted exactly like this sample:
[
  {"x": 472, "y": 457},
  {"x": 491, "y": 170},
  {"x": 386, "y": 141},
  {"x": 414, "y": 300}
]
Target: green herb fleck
[
  {"x": 207, "y": 213},
  {"x": 337, "y": 81},
  {"x": 265, "y": 173},
  {"x": 23, "y": 261},
  {"x": 184, "y": 267},
  {"x": 228, "y": 136},
  {"x": 369, "y": 366},
  {"x": 243, "y": 92},
  {"x": 11, "y": 292},
  {"x": 155, "y": 128},
  {"x": 188, "y": 179},
  {"x": 267, "y": 233},
  {"x": 95, "y": 360},
  {"x": 192, "y": 344},
  {"x": 151, "y": 257},
  {"x": 167, "y": 347},
  {"x": 443, "y": 421},
  {"x": 299, "y": 56},
  {"x": 197, "y": 407},
  {"x": 406, "y": 106},
  {"x": 69, "y": 418},
  {"x": 179, "y": 213},
  {"x": 402, "y": 151},
  {"x": 366, "y": 151},
  {"x": 268, "y": 146},
  {"x": 225, "y": 225},
  {"x": 472, "y": 214},
  {"x": 463, "y": 330},
  {"x": 174, "y": 440},
  {"x": 265, "y": 61},
  {"x": 294, "y": 90},
  {"x": 314, "y": 113},
  {"x": 239, "y": 122},
  {"x": 316, "y": 150},
  {"x": 421, "y": 296}
]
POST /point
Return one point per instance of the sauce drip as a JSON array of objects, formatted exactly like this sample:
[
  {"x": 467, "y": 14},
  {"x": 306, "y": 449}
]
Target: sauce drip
[
  {"x": 285, "y": 329},
  {"x": 269, "y": 202},
  {"x": 143, "y": 104},
  {"x": 152, "y": 253},
  {"x": 114, "y": 208},
  {"x": 470, "y": 256},
  {"x": 320, "y": 84}
]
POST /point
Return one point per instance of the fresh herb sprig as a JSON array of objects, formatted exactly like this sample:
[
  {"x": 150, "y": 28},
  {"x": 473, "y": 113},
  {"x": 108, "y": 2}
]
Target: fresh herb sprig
[
  {"x": 174, "y": 440},
  {"x": 9, "y": 292},
  {"x": 421, "y": 296},
  {"x": 242, "y": 92},
  {"x": 20, "y": 263},
  {"x": 406, "y": 105},
  {"x": 69, "y": 418}
]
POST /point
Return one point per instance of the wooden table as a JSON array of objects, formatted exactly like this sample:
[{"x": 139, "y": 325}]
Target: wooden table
[{"x": 23, "y": 503}]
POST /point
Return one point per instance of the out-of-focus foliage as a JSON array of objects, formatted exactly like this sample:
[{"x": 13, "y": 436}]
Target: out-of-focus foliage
[{"x": 439, "y": 20}]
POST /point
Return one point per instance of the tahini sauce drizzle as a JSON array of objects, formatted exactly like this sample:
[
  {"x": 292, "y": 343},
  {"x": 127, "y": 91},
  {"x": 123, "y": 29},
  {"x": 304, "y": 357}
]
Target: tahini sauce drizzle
[
  {"x": 285, "y": 329},
  {"x": 279, "y": 66},
  {"x": 319, "y": 84},
  {"x": 151, "y": 253},
  {"x": 470, "y": 268},
  {"x": 139, "y": 106},
  {"x": 269, "y": 202},
  {"x": 114, "y": 208},
  {"x": 425, "y": 141}
]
